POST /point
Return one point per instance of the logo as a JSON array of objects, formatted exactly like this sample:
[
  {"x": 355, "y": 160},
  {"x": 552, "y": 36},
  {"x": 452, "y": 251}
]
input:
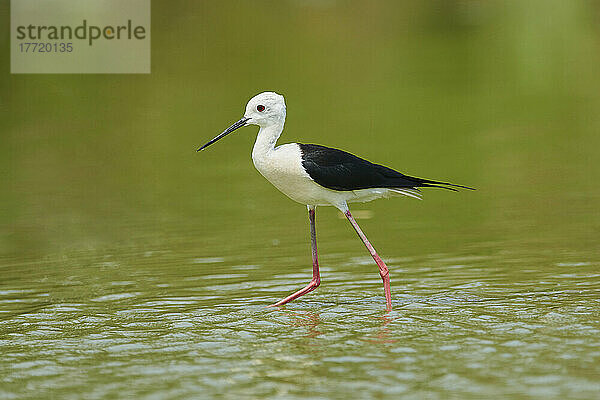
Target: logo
[{"x": 80, "y": 36}]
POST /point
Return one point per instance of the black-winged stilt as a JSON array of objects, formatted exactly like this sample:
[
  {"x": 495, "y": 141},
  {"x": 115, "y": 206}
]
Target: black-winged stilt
[{"x": 321, "y": 176}]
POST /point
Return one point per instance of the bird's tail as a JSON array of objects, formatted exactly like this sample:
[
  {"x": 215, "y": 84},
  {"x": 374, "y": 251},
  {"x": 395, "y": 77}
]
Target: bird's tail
[
  {"x": 414, "y": 193},
  {"x": 420, "y": 182}
]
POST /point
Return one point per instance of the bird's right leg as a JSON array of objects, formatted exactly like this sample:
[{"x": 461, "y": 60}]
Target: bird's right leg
[
  {"x": 316, "y": 280},
  {"x": 383, "y": 269}
]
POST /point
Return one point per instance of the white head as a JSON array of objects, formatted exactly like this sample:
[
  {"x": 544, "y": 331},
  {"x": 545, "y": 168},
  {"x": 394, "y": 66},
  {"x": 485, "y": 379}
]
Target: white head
[{"x": 264, "y": 109}]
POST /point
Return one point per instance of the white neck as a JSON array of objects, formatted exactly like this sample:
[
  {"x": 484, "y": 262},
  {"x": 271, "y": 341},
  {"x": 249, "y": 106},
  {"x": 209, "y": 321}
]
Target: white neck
[{"x": 266, "y": 139}]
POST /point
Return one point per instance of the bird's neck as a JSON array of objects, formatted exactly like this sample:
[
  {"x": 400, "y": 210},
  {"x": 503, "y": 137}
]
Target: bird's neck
[{"x": 266, "y": 140}]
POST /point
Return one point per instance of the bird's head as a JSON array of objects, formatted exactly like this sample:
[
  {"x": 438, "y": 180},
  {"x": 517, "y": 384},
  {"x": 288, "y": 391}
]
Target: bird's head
[{"x": 264, "y": 109}]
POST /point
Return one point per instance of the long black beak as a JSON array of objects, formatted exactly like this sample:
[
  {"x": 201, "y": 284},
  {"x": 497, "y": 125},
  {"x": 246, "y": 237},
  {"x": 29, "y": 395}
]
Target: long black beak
[{"x": 239, "y": 124}]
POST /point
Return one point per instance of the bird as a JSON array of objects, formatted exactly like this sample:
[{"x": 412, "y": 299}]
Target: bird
[{"x": 317, "y": 175}]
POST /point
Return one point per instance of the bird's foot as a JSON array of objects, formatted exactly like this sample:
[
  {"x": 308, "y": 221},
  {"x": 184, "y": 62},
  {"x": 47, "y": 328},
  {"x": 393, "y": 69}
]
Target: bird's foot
[{"x": 308, "y": 288}]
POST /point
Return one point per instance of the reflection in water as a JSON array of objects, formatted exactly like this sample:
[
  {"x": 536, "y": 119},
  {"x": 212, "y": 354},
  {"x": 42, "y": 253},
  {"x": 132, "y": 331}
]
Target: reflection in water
[
  {"x": 308, "y": 319},
  {"x": 383, "y": 336}
]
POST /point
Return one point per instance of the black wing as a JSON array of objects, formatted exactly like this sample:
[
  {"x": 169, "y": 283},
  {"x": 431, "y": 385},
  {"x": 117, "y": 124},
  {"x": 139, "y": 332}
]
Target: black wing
[{"x": 339, "y": 170}]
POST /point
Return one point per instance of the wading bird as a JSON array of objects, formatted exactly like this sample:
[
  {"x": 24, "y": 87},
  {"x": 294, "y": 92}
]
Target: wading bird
[{"x": 321, "y": 176}]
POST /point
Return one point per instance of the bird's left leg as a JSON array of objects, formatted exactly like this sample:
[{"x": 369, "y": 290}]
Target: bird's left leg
[
  {"x": 383, "y": 269},
  {"x": 316, "y": 280}
]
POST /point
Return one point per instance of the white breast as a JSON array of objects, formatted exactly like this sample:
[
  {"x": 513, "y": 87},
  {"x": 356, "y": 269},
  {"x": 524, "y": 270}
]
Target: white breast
[{"x": 282, "y": 166}]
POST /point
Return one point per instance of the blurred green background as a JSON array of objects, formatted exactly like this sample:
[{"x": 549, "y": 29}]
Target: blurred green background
[{"x": 500, "y": 95}]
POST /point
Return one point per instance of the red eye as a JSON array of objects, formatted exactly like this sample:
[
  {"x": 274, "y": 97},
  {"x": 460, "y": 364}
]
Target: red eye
[{"x": 260, "y": 108}]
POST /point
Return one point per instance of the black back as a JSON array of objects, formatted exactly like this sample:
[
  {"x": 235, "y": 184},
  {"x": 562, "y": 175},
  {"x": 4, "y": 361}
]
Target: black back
[{"x": 339, "y": 170}]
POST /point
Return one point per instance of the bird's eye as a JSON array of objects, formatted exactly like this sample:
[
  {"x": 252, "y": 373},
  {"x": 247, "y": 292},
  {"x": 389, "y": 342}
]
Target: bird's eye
[{"x": 260, "y": 108}]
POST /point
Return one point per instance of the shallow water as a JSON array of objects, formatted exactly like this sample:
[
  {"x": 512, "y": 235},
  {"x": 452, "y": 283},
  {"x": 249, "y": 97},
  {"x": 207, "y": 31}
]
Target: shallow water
[
  {"x": 162, "y": 324},
  {"x": 133, "y": 267}
]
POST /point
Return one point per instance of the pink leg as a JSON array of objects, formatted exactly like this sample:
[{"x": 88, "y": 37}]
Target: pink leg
[
  {"x": 316, "y": 280},
  {"x": 383, "y": 269}
]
